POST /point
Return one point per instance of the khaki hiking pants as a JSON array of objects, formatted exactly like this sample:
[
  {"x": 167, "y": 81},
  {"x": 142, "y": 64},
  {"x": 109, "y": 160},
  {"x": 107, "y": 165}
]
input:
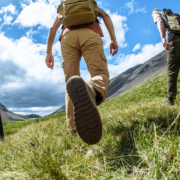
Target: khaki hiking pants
[{"x": 86, "y": 43}]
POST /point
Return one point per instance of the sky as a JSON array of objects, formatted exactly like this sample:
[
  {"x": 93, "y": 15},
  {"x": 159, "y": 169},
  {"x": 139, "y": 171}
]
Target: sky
[{"x": 28, "y": 86}]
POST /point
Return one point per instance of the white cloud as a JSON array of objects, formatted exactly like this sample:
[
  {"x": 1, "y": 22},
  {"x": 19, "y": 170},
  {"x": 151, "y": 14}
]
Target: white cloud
[
  {"x": 42, "y": 111},
  {"x": 99, "y": 3},
  {"x": 143, "y": 10},
  {"x": 8, "y": 9},
  {"x": 120, "y": 29},
  {"x": 30, "y": 57},
  {"x": 125, "y": 62},
  {"x": 38, "y": 85},
  {"x": 136, "y": 47},
  {"x": 30, "y": 33},
  {"x": 130, "y": 5},
  {"x": 40, "y": 12},
  {"x": 7, "y": 19}
]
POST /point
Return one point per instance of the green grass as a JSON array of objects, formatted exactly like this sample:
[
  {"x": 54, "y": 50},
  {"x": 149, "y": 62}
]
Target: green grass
[
  {"x": 140, "y": 141},
  {"x": 13, "y": 126}
]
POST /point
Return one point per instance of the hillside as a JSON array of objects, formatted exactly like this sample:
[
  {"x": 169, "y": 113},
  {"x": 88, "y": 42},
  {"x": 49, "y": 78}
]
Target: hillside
[
  {"x": 33, "y": 116},
  {"x": 137, "y": 75},
  {"x": 60, "y": 110},
  {"x": 140, "y": 141},
  {"x": 7, "y": 115}
]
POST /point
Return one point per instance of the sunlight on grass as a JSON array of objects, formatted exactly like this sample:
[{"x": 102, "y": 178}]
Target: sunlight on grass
[{"x": 140, "y": 141}]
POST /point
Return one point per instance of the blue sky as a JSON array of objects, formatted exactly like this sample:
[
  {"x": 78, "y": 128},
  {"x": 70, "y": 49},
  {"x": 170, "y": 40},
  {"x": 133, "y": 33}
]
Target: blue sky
[{"x": 28, "y": 86}]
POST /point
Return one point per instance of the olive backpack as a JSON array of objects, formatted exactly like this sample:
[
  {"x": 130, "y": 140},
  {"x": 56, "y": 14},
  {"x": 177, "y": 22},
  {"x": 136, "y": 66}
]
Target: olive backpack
[
  {"x": 173, "y": 20},
  {"x": 77, "y": 12}
]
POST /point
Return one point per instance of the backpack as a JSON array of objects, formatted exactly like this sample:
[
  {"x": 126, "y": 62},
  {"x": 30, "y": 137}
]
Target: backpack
[
  {"x": 173, "y": 20},
  {"x": 77, "y": 12}
]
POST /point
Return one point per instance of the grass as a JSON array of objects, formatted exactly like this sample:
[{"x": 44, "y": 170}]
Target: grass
[
  {"x": 11, "y": 127},
  {"x": 140, "y": 141}
]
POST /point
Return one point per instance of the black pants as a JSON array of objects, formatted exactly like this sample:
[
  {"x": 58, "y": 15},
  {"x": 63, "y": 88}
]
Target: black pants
[{"x": 1, "y": 129}]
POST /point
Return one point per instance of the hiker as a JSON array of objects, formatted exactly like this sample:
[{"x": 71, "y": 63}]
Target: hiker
[
  {"x": 1, "y": 127},
  {"x": 81, "y": 36},
  {"x": 167, "y": 22}
]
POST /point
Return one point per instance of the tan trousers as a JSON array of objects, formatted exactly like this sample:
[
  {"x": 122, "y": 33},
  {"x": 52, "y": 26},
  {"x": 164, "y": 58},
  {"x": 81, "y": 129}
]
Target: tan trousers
[{"x": 86, "y": 43}]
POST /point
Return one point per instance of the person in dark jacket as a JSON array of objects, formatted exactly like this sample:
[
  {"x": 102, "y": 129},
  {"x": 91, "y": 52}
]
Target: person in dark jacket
[{"x": 1, "y": 127}]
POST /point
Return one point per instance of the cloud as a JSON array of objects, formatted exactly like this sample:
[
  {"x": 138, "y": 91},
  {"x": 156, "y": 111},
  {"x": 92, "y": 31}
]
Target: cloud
[
  {"x": 40, "y": 12},
  {"x": 125, "y": 62},
  {"x": 10, "y": 8},
  {"x": 136, "y": 47},
  {"x": 25, "y": 80},
  {"x": 8, "y": 11},
  {"x": 120, "y": 29},
  {"x": 130, "y": 5},
  {"x": 10, "y": 72},
  {"x": 42, "y": 111}
]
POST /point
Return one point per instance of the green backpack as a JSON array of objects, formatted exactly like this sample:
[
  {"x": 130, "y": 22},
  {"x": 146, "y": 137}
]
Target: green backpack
[
  {"x": 77, "y": 12},
  {"x": 173, "y": 20}
]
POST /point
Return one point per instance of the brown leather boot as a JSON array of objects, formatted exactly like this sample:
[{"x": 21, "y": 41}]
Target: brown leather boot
[{"x": 86, "y": 116}]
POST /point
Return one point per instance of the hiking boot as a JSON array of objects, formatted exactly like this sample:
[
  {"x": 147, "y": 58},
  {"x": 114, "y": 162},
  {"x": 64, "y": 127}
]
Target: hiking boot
[
  {"x": 86, "y": 116},
  {"x": 169, "y": 102}
]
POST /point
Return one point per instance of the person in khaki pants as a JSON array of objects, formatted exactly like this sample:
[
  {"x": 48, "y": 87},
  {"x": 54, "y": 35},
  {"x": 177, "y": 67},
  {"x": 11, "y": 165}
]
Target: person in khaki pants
[{"x": 82, "y": 98}]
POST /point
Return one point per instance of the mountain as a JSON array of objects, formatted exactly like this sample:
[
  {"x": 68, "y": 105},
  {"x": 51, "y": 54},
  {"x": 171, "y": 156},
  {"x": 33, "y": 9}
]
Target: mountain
[
  {"x": 7, "y": 115},
  {"x": 33, "y": 116},
  {"x": 60, "y": 110},
  {"x": 137, "y": 75}
]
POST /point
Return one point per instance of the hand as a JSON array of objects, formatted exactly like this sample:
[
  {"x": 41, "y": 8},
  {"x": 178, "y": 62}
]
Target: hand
[
  {"x": 50, "y": 61},
  {"x": 165, "y": 44},
  {"x": 113, "y": 47}
]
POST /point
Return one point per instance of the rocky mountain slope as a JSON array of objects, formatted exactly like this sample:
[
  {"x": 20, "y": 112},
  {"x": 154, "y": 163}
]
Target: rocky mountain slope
[
  {"x": 60, "y": 110},
  {"x": 137, "y": 75},
  {"x": 7, "y": 115}
]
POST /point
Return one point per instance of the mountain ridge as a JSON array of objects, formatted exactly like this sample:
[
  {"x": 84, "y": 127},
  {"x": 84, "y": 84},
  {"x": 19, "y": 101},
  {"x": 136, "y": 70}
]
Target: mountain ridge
[{"x": 8, "y": 115}]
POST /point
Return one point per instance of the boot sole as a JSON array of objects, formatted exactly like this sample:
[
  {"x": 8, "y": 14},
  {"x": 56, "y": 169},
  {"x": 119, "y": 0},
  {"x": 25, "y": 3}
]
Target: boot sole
[{"x": 86, "y": 116}]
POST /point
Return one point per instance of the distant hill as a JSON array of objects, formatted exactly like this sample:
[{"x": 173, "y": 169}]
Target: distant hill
[
  {"x": 60, "y": 110},
  {"x": 137, "y": 75},
  {"x": 7, "y": 115},
  {"x": 33, "y": 116}
]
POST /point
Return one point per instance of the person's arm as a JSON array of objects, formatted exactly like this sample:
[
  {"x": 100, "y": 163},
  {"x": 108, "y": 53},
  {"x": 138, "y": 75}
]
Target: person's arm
[
  {"x": 109, "y": 25},
  {"x": 162, "y": 31},
  {"x": 52, "y": 33}
]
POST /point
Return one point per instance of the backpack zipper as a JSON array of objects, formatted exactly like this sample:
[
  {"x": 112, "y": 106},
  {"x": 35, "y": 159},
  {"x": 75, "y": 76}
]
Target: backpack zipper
[{"x": 75, "y": 2}]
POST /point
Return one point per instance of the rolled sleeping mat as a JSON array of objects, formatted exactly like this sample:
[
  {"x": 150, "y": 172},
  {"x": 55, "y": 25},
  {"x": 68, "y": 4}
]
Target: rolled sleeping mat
[{"x": 1, "y": 127}]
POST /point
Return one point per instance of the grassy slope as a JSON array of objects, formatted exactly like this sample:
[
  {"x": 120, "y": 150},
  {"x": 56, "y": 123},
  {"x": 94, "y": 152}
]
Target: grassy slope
[{"x": 139, "y": 142}]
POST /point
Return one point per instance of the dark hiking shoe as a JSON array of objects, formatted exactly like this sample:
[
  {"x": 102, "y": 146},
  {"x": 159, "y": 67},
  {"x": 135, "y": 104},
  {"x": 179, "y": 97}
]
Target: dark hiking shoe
[
  {"x": 86, "y": 116},
  {"x": 169, "y": 102}
]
